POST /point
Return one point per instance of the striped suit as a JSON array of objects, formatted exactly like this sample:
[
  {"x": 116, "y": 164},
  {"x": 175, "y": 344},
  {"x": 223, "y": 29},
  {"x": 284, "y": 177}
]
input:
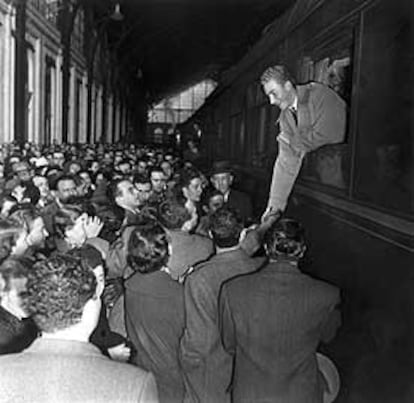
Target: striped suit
[{"x": 271, "y": 322}]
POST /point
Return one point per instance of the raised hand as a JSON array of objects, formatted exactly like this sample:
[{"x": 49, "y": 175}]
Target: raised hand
[{"x": 93, "y": 226}]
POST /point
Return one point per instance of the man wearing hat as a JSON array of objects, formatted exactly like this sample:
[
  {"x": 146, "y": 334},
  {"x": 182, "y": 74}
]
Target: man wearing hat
[{"x": 222, "y": 177}]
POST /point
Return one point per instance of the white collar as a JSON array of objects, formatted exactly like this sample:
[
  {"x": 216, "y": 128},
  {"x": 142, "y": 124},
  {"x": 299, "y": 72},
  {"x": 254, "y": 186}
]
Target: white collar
[{"x": 294, "y": 105}]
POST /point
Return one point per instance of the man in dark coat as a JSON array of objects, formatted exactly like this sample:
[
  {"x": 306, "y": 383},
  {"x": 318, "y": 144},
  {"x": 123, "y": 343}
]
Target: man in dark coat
[
  {"x": 17, "y": 331},
  {"x": 187, "y": 249},
  {"x": 222, "y": 178},
  {"x": 206, "y": 365},
  {"x": 272, "y": 322},
  {"x": 154, "y": 310}
]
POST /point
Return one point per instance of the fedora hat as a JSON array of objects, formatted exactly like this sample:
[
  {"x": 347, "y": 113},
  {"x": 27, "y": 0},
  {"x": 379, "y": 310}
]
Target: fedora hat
[{"x": 221, "y": 167}]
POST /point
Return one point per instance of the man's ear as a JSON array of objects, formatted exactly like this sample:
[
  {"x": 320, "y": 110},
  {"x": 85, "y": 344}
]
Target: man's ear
[
  {"x": 117, "y": 201},
  {"x": 231, "y": 179},
  {"x": 288, "y": 86}
]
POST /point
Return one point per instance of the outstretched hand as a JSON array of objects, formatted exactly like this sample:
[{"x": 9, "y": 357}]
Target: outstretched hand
[{"x": 269, "y": 217}]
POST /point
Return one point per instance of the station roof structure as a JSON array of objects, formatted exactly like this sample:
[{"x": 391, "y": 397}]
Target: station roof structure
[{"x": 172, "y": 44}]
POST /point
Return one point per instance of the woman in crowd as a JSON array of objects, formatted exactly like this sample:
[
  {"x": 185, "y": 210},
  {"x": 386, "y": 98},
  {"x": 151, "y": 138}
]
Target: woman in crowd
[{"x": 77, "y": 233}]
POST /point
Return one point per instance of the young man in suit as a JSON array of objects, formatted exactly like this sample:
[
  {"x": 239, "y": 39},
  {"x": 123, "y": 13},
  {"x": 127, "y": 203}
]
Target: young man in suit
[
  {"x": 206, "y": 365},
  {"x": 154, "y": 309},
  {"x": 63, "y": 298},
  {"x": 311, "y": 116},
  {"x": 272, "y": 322}
]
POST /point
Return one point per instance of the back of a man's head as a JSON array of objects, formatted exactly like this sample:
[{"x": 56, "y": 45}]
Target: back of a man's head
[
  {"x": 147, "y": 247},
  {"x": 57, "y": 292},
  {"x": 172, "y": 214},
  {"x": 225, "y": 227},
  {"x": 285, "y": 239}
]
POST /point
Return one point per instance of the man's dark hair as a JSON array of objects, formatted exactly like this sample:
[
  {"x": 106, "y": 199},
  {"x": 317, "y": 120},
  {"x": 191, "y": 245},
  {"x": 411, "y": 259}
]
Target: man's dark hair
[
  {"x": 172, "y": 214},
  {"x": 147, "y": 247},
  {"x": 124, "y": 161},
  {"x": 187, "y": 175},
  {"x": 31, "y": 192},
  {"x": 155, "y": 168},
  {"x": 142, "y": 179},
  {"x": 285, "y": 238},
  {"x": 209, "y": 194},
  {"x": 278, "y": 73},
  {"x": 113, "y": 190},
  {"x": 225, "y": 226},
  {"x": 57, "y": 290},
  {"x": 61, "y": 178}
]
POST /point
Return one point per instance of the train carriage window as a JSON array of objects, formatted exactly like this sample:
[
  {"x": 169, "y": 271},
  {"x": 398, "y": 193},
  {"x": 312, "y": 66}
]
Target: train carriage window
[
  {"x": 385, "y": 146},
  {"x": 328, "y": 165}
]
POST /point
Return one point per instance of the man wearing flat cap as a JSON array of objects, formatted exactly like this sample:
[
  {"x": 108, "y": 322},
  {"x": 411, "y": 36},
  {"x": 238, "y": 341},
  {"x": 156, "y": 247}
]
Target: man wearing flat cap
[{"x": 222, "y": 177}]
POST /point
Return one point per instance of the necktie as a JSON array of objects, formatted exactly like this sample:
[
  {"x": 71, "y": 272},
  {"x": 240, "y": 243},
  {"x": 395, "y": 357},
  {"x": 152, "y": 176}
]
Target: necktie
[{"x": 295, "y": 115}]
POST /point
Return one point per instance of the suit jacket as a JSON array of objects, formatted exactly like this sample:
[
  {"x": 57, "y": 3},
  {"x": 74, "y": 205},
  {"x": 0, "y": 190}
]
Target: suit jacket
[
  {"x": 187, "y": 250},
  {"x": 240, "y": 202},
  {"x": 48, "y": 214},
  {"x": 116, "y": 258},
  {"x": 154, "y": 316},
  {"x": 71, "y": 371},
  {"x": 272, "y": 322},
  {"x": 15, "y": 334},
  {"x": 321, "y": 118},
  {"x": 206, "y": 365}
]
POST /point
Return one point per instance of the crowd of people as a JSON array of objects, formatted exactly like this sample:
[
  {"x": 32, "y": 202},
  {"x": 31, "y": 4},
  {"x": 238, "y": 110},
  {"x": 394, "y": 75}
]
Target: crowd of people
[
  {"x": 128, "y": 274},
  {"x": 131, "y": 273}
]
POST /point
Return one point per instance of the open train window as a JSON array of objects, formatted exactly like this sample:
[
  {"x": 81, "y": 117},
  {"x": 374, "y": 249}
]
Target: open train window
[{"x": 328, "y": 165}]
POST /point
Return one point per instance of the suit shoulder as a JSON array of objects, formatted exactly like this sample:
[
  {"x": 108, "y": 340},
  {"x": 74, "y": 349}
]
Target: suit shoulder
[
  {"x": 240, "y": 284},
  {"x": 322, "y": 92},
  {"x": 202, "y": 241},
  {"x": 126, "y": 371},
  {"x": 325, "y": 288},
  {"x": 238, "y": 194}
]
